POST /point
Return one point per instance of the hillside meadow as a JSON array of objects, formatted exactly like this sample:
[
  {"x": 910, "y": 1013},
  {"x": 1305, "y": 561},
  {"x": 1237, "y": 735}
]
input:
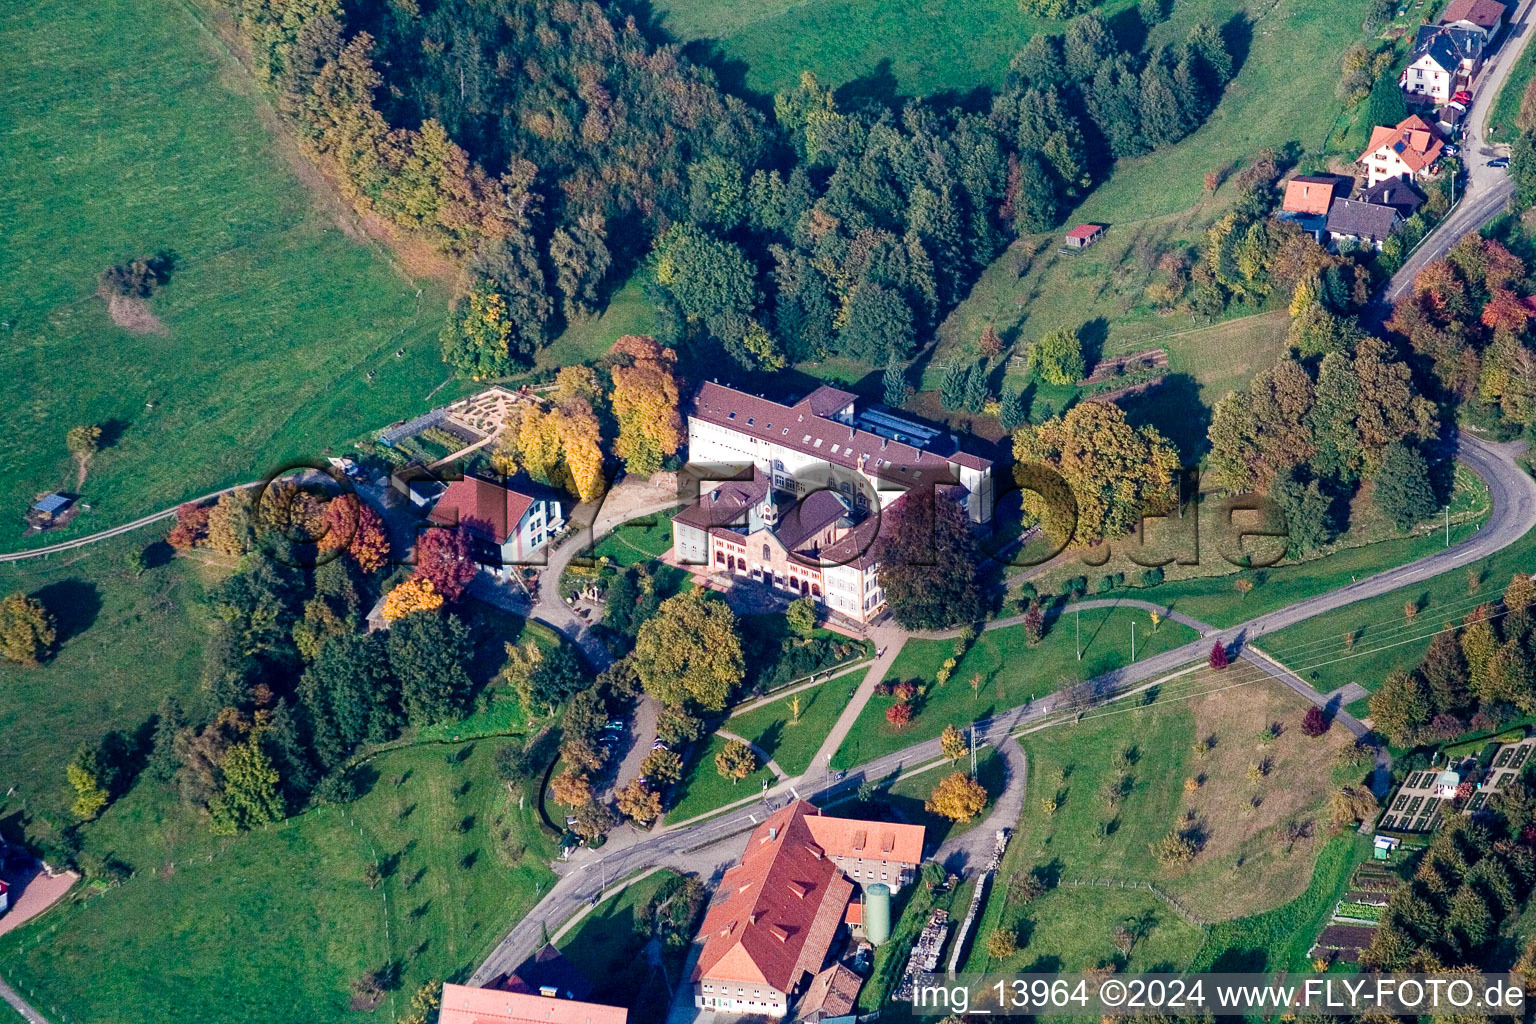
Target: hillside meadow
[{"x": 282, "y": 330}]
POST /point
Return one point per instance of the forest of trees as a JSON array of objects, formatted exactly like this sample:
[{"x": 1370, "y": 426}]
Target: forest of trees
[{"x": 554, "y": 146}]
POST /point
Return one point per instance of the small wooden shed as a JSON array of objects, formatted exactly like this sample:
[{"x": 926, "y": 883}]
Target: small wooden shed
[{"x": 1084, "y": 235}]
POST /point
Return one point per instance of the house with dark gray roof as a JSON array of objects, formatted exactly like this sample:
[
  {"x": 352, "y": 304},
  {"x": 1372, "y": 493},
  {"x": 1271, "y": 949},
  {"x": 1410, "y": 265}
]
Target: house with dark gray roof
[
  {"x": 1353, "y": 220},
  {"x": 1402, "y": 196},
  {"x": 1445, "y": 60}
]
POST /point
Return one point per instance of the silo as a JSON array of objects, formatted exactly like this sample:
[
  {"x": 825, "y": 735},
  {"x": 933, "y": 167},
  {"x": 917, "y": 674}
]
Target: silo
[{"x": 877, "y": 913}]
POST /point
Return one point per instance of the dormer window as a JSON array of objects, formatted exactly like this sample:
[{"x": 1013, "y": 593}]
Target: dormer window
[{"x": 731, "y": 416}]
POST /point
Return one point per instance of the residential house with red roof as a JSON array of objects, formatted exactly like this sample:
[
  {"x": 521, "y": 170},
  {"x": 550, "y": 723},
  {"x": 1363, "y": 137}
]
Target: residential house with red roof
[
  {"x": 768, "y": 935},
  {"x": 1312, "y": 194},
  {"x": 463, "y": 1004},
  {"x": 797, "y": 487},
  {"x": 508, "y": 526},
  {"x": 1486, "y": 16},
  {"x": 1409, "y": 150}
]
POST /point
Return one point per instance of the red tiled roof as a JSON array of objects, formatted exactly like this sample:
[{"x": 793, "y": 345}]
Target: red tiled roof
[
  {"x": 872, "y": 840},
  {"x": 778, "y": 909},
  {"x": 465, "y": 1005},
  {"x": 1311, "y": 193},
  {"x": 1484, "y": 14},
  {"x": 1413, "y": 140},
  {"x": 855, "y": 914},
  {"x": 1085, "y": 231},
  {"x": 488, "y": 509},
  {"x": 831, "y": 993},
  {"x": 803, "y": 428}
]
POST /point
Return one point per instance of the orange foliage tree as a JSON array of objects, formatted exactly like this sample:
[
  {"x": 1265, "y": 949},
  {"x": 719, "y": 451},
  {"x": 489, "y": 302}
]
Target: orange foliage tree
[
  {"x": 354, "y": 526},
  {"x": 416, "y": 594}
]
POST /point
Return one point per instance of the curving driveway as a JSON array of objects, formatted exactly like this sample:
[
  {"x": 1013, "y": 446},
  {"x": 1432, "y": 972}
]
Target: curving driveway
[{"x": 708, "y": 846}]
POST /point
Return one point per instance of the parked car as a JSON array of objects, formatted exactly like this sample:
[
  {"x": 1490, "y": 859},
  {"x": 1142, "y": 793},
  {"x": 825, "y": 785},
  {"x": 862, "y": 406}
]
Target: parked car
[
  {"x": 614, "y": 723},
  {"x": 658, "y": 745},
  {"x": 570, "y": 820},
  {"x": 1499, "y": 161}
]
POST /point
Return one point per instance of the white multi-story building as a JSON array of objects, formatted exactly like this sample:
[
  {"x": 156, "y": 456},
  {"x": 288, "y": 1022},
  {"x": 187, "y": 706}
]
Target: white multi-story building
[{"x": 810, "y": 477}]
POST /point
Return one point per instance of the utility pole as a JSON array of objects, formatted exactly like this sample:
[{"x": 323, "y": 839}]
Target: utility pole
[
  {"x": 973, "y": 750},
  {"x": 1447, "y": 526}
]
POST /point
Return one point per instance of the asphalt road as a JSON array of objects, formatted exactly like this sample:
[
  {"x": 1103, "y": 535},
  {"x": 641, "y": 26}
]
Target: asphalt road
[
  {"x": 1488, "y": 189},
  {"x": 708, "y": 847}
]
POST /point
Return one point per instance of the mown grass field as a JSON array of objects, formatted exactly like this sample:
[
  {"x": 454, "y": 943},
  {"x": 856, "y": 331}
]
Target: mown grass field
[
  {"x": 789, "y": 741},
  {"x": 1011, "y": 674},
  {"x": 274, "y": 926},
  {"x": 1243, "y": 867},
  {"x": 703, "y": 789},
  {"x": 131, "y": 131}
]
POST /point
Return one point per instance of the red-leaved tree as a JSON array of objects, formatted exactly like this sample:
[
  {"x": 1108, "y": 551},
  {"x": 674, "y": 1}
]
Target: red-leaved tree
[
  {"x": 191, "y": 527},
  {"x": 353, "y": 524},
  {"x": 899, "y": 715},
  {"x": 443, "y": 556},
  {"x": 1315, "y": 722},
  {"x": 1219, "y": 659}
]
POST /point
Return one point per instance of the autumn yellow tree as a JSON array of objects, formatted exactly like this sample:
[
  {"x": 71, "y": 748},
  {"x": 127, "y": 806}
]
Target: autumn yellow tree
[
  {"x": 952, "y": 743},
  {"x": 735, "y": 761},
  {"x": 570, "y": 789},
  {"x": 27, "y": 630},
  {"x": 638, "y": 803},
  {"x": 576, "y": 383},
  {"x": 232, "y": 524},
  {"x": 662, "y": 767},
  {"x": 957, "y": 797},
  {"x": 581, "y": 445},
  {"x": 645, "y": 402},
  {"x": 1520, "y": 593},
  {"x": 83, "y": 442},
  {"x": 1002, "y": 944},
  {"x": 416, "y": 594},
  {"x": 1116, "y": 472},
  {"x": 538, "y": 441}
]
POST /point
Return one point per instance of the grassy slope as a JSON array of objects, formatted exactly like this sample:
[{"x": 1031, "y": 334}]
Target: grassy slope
[
  {"x": 125, "y": 642},
  {"x": 1384, "y": 638},
  {"x": 1011, "y": 674},
  {"x": 612, "y": 953},
  {"x": 1501, "y": 119},
  {"x": 1242, "y": 870},
  {"x": 909, "y": 47},
  {"x": 792, "y": 744},
  {"x": 132, "y": 132},
  {"x": 275, "y": 925},
  {"x": 1159, "y": 201}
]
